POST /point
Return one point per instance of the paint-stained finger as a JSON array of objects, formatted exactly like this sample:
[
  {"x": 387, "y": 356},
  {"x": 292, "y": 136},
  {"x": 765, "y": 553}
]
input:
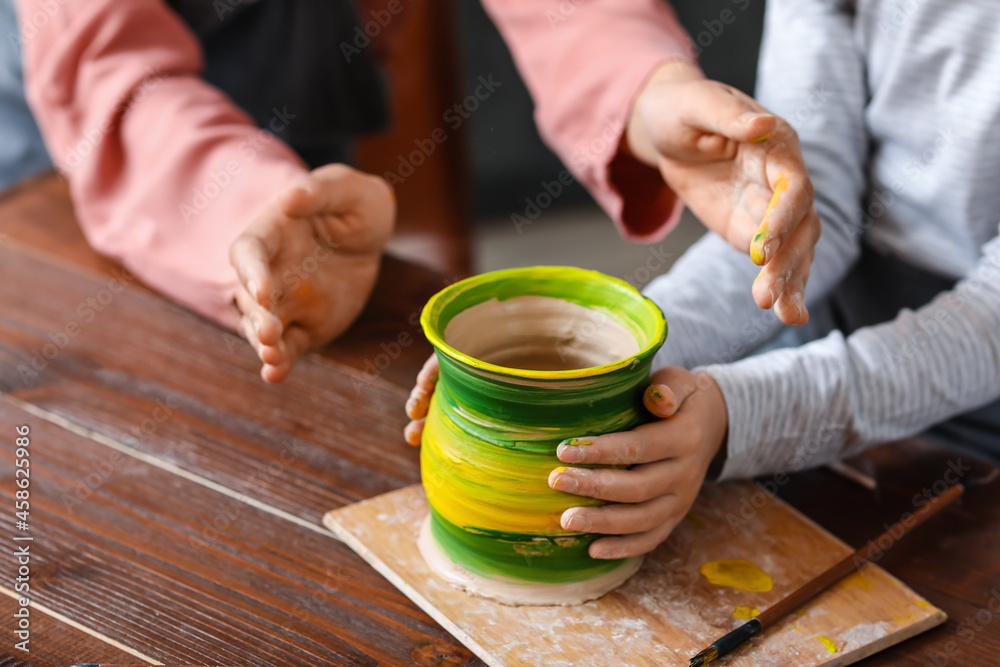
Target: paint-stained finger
[
  {"x": 417, "y": 403},
  {"x": 609, "y": 548},
  {"x": 643, "y": 445},
  {"x": 639, "y": 484},
  {"x": 790, "y": 204},
  {"x": 414, "y": 431},
  {"x": 659, "y": 399},
  {"x": 620, "y": 518},
  {"x": 789, "y": 271}
]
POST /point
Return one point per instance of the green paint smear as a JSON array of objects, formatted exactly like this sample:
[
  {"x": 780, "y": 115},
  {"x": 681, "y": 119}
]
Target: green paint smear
[{"x": 526, "y": 556}]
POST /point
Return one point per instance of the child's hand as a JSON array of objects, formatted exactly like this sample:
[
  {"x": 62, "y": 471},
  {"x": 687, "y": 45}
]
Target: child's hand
[
  {"x": 309, "y": 261},
  {"x": 729, "y": 159},
  {"x": 420, "y": 398},
  {"x": 669, "y": 459}
]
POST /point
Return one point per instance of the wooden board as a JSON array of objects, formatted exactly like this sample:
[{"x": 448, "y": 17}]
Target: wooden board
[{"x": 668, "y": 611}]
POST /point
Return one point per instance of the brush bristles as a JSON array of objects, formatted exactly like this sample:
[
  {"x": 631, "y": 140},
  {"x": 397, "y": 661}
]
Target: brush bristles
[{"x": 704, "y": 657}]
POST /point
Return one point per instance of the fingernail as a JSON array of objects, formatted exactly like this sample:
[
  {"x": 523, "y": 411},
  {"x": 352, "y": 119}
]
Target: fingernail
[
  {"x": 760, "y": 140},
  {"x": 750, "y": 116},
  {"x": 656, "y": 393},
  {"x": 770, "y": 247},
  {"x": 565, "y": 482},
  {"x": 575, "y": 442},
  {"x": 569, "y": 453},
  {"x": 579, "y": 523}
]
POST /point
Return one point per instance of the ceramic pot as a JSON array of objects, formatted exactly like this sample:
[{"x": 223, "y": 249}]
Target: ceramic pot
[{"x": 529, "y": 357}]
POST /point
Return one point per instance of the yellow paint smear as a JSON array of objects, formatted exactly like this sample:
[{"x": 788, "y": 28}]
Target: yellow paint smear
[
  {"x": 757, "y": 253},
  {"x": 746, "y": 613},
  {"x": 827, "y": 643},
  {"x": 737, "y": 573},
  {"x": 857, "y": 580},
  {"x": 903, "y": 619}
]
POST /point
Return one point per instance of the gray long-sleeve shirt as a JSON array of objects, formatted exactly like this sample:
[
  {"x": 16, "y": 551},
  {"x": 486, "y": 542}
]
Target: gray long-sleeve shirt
[{"x": 897, "y": 105}]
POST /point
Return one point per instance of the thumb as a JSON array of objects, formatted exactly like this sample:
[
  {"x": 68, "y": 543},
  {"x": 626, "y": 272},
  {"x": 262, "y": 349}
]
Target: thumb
[
  {"x": 336, "y": 189},
  {"x": 669, "y": 388},
  {"x": 357, "y": 210},
  {"x": 715, "y": 108}
]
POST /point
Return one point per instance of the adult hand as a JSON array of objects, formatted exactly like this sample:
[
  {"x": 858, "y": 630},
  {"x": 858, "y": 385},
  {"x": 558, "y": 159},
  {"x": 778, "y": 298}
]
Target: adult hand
[
  {"x": 739, "y": 168},
  {"x": 308, "y": 262}
]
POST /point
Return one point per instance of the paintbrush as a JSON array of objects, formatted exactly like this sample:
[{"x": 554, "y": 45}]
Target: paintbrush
[{"x": 790, "y": 603}]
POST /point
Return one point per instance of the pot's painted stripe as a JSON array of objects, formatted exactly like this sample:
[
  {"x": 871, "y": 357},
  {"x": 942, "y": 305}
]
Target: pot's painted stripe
[{"x": 542, "y": 558}]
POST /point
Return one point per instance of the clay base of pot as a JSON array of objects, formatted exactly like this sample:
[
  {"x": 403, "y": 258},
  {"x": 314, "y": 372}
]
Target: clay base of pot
[{"x": 516, "y": 592}]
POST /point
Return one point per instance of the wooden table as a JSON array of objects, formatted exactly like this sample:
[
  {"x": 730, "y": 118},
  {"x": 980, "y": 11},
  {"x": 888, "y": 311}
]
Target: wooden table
[{"x": 176, "y": 499}]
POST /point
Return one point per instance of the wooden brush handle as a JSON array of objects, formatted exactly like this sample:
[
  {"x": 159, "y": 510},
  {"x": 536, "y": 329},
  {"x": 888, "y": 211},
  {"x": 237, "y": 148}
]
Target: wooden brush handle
[{"x": 844, "y": 567}]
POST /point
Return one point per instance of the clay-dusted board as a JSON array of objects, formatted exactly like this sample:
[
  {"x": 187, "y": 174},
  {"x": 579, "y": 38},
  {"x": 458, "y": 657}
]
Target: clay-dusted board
[{"x": 668, "y": 611}]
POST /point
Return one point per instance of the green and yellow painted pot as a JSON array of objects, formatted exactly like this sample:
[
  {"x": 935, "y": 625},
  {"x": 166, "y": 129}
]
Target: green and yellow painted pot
[{"x": 529, "y": 357}]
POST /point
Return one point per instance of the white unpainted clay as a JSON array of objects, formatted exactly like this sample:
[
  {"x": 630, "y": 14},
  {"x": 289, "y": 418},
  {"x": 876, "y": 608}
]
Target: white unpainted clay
[
  {"x": 539, "y": 333},
  {"x": 515, "y": 592}
]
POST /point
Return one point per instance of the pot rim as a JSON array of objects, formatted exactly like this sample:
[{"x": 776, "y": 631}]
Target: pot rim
[{"x": 442, "y": 298}]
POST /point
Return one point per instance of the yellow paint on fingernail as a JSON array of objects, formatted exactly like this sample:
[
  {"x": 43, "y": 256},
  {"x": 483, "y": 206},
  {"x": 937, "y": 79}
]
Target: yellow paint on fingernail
[
  {"x": 746, "y": 613},
  {"x": 576, "y": 442},
  {"x": 561, "y": 469},
  {"x": 827, "y": 643},
  {"x": 758, "y": 253},
  {"x": 760, "y": 140},
  {"x": 655, "y": 393}
]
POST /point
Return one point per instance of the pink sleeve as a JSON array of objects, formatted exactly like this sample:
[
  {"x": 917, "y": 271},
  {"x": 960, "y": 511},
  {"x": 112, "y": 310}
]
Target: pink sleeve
[
  {"x": 584, "y": 61},
  {"x": 163, "y": 168}
]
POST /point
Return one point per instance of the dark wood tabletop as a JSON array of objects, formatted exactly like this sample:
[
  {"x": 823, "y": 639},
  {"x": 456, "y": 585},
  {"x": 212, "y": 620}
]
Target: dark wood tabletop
[{"x": 175, "y": 498}]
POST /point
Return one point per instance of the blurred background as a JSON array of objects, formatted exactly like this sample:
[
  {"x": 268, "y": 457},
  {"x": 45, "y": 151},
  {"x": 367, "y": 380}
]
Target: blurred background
[{"x": 500, "y": 163}]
